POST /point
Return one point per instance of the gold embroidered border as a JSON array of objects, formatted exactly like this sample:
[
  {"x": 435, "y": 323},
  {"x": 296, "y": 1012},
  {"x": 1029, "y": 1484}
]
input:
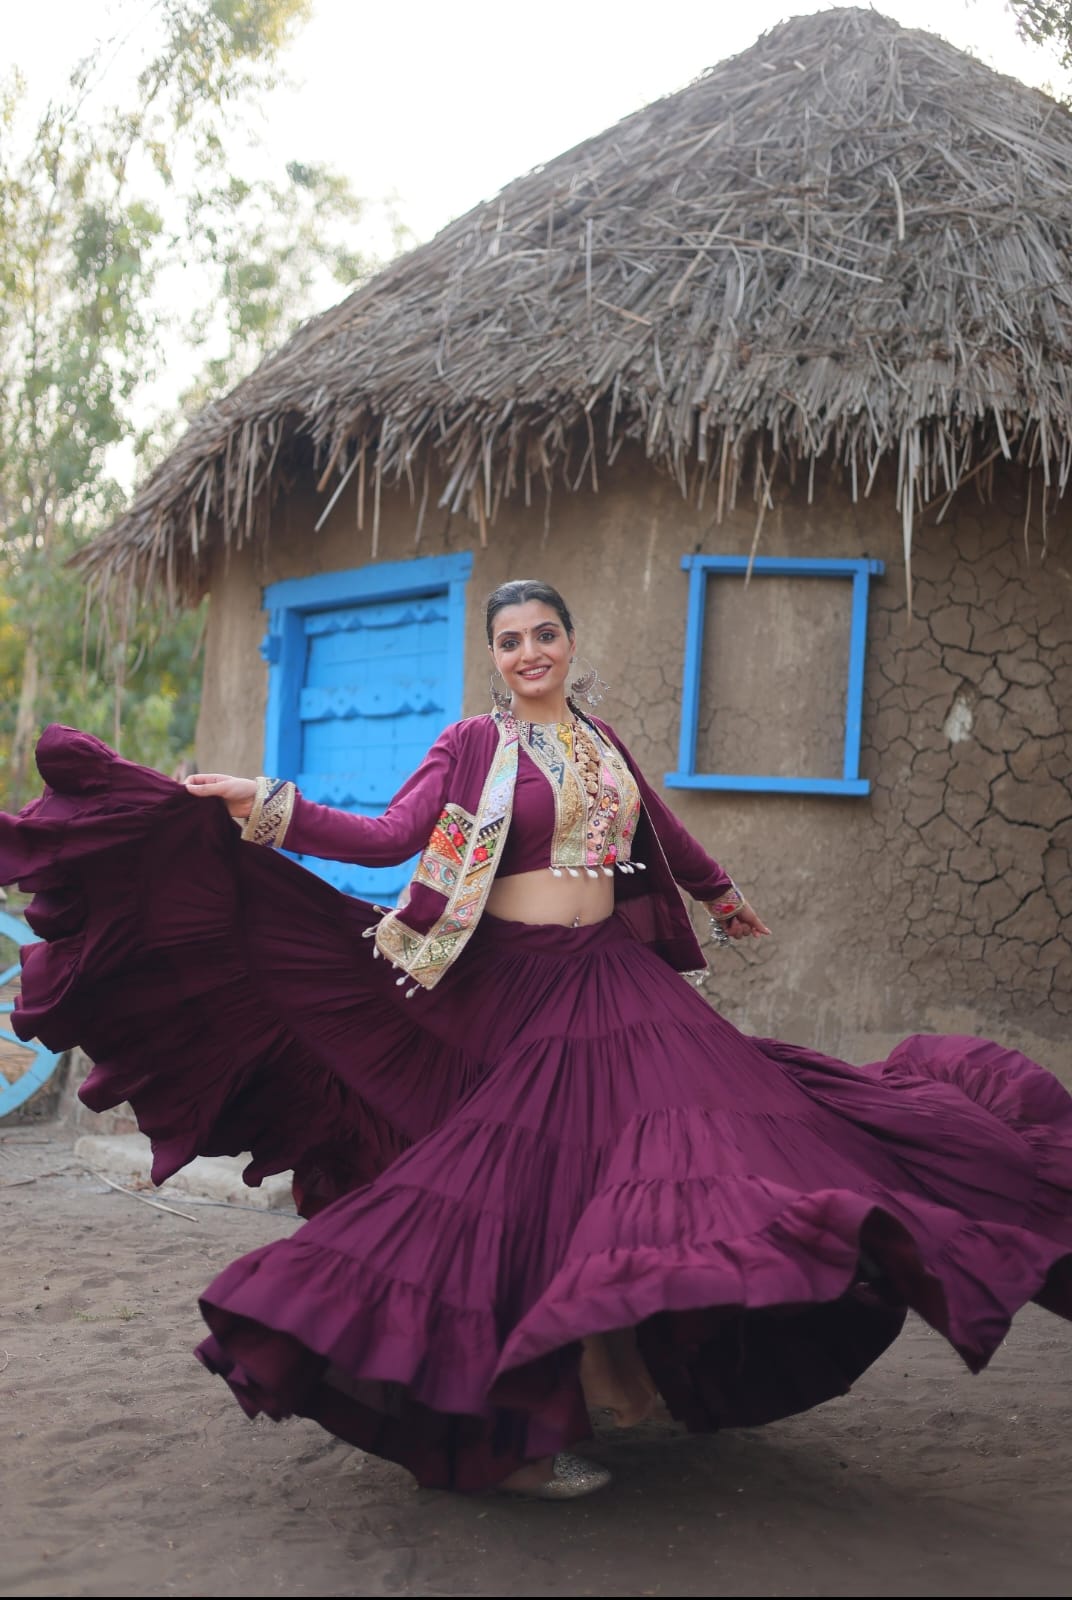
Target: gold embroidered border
[
  {"x": 553, "y": 754},
  {"x": 270, "y": 813}
]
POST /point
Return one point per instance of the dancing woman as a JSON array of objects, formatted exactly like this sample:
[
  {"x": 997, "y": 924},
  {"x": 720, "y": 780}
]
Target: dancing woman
[{"x": 542, "y": 1174}]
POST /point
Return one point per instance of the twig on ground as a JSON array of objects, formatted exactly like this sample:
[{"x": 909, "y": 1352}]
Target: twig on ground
[{"x": 144, "y": 1198}]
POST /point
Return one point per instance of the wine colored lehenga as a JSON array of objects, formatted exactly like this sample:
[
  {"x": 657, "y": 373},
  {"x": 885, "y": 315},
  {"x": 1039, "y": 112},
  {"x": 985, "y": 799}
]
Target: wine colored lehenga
[{"x": 557, "y": 1138}]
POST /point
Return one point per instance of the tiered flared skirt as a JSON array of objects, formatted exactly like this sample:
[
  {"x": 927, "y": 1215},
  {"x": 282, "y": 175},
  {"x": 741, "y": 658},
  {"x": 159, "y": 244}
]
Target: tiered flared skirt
[{"x": 561, "y": 1139}]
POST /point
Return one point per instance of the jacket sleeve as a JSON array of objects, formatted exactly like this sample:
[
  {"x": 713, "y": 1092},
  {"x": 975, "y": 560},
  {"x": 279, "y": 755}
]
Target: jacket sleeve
[
  {"x": 697, "y": 873},
  {"x": 385, "y": 841}
]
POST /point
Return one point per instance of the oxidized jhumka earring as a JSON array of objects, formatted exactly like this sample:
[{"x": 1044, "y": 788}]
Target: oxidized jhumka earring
[
  {"x": 588, "y": 686},
  {"x": 500, "y": 698}
]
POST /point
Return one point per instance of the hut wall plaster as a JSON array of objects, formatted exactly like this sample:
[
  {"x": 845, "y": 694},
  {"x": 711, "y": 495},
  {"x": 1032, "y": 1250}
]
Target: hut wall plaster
[{"x": 941, "y": 902}]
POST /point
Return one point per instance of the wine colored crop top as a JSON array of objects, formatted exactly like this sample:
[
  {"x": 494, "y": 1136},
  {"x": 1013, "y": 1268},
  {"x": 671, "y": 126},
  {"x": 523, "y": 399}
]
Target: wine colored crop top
[{"x": 576, "y": 804}]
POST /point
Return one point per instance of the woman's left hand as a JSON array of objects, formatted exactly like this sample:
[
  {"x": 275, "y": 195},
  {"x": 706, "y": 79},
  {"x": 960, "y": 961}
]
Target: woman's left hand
[{"x": 745, "y": 924}]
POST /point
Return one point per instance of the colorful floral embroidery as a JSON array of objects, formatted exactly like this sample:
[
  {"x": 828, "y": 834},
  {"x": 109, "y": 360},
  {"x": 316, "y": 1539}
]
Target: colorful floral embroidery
[
  {"x": 443, "y": 856},
  {"x": 726, "y": 907}
]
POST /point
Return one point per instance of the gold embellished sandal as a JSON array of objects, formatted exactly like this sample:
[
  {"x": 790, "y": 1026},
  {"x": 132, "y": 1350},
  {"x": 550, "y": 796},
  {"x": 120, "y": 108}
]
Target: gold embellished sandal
[{"x": 571, "y": 1477}]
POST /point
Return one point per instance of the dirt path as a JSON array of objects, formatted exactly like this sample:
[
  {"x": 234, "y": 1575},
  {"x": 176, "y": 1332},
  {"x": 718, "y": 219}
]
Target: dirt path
[{"x": 127, "y": 1470}]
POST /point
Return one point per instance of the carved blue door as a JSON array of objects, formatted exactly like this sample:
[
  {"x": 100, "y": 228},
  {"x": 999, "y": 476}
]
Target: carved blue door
[
  {"x": 371, "y": 704},
  {"x": 365, "y": 672}
]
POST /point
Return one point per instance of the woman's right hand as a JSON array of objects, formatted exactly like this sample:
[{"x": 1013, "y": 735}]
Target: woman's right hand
[
  {"x": 745, "y": 924},
  {"x": 236, "y": 793}
]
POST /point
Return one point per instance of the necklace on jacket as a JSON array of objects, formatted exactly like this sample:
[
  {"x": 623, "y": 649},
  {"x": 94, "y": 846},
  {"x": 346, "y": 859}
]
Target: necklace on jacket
[{"x": 597, "y": 802}]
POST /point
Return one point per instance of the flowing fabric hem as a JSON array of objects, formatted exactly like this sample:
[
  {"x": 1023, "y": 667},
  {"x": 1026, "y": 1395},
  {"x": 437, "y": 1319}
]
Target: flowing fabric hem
[
  {"x": 214, "y": 983},
  {"x": 714, "y": 1332}
]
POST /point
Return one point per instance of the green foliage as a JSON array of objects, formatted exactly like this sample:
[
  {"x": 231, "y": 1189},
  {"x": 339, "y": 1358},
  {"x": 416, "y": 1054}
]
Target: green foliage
[
  {"x": 128, "y": 233},
  {"x": 1046, "y": 22},
  {"x": 273, "y": 245}
]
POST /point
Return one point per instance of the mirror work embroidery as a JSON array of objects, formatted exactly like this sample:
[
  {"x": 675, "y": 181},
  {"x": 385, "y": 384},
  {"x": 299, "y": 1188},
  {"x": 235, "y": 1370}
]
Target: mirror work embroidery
[{"x": 597, "y": 802}]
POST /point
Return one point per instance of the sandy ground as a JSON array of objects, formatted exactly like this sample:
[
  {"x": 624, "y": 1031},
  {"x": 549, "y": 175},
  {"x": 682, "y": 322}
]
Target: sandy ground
[{"x": 127, "y": 1470}]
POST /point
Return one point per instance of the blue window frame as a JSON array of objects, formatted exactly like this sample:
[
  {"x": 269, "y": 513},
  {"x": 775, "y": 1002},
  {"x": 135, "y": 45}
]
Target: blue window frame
[
  {"x": 701, "y": 570},
  {"x": 364, "y": 671}
]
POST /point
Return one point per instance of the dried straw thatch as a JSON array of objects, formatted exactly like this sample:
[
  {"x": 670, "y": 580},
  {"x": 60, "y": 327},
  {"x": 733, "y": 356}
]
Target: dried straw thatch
[{"x": 852, "y": 241}]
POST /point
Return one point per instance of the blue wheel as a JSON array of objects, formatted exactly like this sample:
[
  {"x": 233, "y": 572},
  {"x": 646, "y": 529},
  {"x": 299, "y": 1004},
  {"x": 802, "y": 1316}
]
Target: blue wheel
[{"x": 24, "y": 1064}]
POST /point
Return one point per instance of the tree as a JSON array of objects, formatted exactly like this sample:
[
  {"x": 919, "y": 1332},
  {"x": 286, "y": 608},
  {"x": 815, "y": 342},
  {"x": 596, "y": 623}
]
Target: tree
[
  {"x": 109, "y": 212},
  {"x": 1046, "y": 22}
]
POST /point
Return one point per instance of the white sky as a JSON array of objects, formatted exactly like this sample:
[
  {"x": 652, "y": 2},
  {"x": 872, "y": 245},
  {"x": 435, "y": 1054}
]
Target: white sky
[{"x": 441, "y": 104}]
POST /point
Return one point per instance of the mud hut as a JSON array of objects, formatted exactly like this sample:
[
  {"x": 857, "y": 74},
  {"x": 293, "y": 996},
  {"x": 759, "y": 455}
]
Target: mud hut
[{"x": 773, "y": 379}]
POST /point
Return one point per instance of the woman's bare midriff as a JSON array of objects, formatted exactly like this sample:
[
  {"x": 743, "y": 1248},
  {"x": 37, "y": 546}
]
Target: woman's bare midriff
[{"x": 539, "y": 897}]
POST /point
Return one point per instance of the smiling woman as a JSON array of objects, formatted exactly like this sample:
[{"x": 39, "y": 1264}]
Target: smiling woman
[
  {"x": 533, "y": 645},
  {"x": 543, "y": 1174}
]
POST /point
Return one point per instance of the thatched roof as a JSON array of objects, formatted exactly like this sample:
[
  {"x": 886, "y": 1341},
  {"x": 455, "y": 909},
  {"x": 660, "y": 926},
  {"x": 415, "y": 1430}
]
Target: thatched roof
[{"x": 850, "y": 242}]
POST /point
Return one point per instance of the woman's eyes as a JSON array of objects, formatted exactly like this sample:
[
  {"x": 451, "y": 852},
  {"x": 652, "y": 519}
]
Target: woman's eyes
[{"x": 547, "y": 637}]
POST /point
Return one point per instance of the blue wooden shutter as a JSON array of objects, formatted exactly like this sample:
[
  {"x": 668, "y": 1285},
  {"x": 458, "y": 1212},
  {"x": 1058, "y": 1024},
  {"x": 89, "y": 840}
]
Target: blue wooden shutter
[{"x": 365, "y": 672}]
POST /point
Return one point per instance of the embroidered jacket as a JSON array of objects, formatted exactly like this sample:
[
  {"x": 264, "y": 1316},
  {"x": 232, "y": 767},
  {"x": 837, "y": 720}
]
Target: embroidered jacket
[{"x": 456, "y": 809}]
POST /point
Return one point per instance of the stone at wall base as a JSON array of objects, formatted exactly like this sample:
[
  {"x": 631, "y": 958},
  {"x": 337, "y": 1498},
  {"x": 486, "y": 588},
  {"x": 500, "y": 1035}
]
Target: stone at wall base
[
  {"x": 127, "y": 1158},
  {"x": 70, "y": 1110}
]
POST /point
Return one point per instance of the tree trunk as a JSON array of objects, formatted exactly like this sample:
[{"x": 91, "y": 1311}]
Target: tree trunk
[{"x": 25, "y": 721}]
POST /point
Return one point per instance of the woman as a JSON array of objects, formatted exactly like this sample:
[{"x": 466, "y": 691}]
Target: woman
[{"x": 543, "y": 1175}]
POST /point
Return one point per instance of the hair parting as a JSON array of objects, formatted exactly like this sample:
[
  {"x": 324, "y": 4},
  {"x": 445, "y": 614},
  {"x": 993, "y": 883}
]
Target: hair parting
[{"x": 518, "y": 592}]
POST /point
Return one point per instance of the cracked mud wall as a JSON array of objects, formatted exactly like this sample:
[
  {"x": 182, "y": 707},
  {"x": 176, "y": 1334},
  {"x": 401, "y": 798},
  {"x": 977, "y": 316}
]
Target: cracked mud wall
[
  {"x": 940, "y": 902},
  {"x": 969, "y": 738}
]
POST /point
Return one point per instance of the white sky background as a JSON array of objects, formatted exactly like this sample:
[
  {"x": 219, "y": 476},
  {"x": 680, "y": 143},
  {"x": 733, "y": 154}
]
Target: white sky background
[{"x": 437, "y": 106}]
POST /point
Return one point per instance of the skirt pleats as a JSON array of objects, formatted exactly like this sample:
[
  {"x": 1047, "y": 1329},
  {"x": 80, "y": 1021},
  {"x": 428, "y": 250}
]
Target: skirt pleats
[{"x": 562, "y": 1139}]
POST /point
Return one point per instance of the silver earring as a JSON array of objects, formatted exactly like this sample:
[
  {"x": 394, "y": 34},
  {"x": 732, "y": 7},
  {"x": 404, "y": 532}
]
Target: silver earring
[
  {"x": 589, "y": 686},
  {"x": 500, "y": 698}
]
